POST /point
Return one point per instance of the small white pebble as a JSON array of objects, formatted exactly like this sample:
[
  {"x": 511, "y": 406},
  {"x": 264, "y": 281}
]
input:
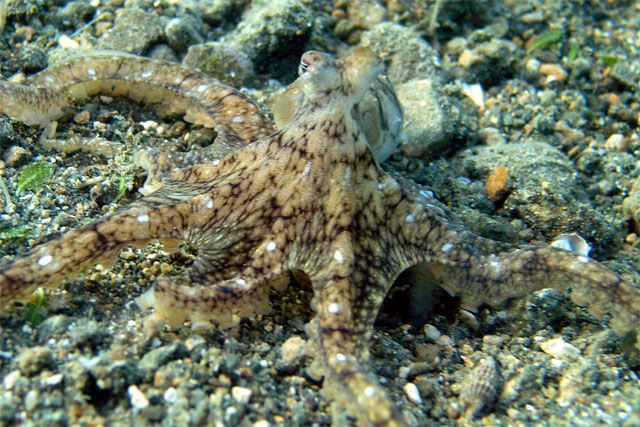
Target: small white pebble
[
  {"x": 412, "y": 392},
  {"x": 241, "y": 394},
  {"x": 149, "y": 124},
  {"x": 10, "y": 379},
  {"x": 31, "y": 400},
  {"x": 68, "y": 43},
  {"x": 170, "y": 395},
  {"x": 261, "y": 423},
  {"x": 137, "y": 398},
  {"x": 54, "y": 380}
]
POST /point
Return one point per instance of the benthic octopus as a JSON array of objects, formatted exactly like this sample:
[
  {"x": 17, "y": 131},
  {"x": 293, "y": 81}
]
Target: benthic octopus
[{"x": 308, "y": 199}]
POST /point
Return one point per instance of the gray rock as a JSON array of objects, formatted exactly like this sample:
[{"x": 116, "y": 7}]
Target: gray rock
[
  {"x": 487, "y": 62},
  {"x": 226, "y": 63},
  {"x": 405, "y": 54},
  {"x": 74, "y": 14},
  {"x": 427, "y": 129},
  {"x": 162, "y": 52},
  {"x": 30, "y": 59},
  {"x": 53, "y": 326},
  {"x": 182, "y": 33},
  {"x": 134, "y": 31},
  {"x": 273, "y": 35},
  {"x": 88, "y": 334},
  {"x": 161, "y": 356}
]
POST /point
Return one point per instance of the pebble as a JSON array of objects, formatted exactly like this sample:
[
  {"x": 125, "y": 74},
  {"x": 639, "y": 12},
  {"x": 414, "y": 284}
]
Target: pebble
[
  {"x": 182, "y": 33},
  {"x": 31, "y": 400},
  {"x": 432, "y": 332},
  {"x": 292, "y": 350},
  {"x": 427, "y": 128},
  {"x": 559, "y": 348},
  {"x": 412, "y": 392},
  {"x": 82, "y": 118},
  {"x": 137, "y": 398},
  {"x": 497, "y": 184},
  {"x": 553, "y": 72},
  {"x": 16, "y": 156},
  {"x": 34, "y": 359},
  {"x": 225, "y": 62},
  {"x": 134, "y": 31},
  {"x": 10, "y": 379},
  {"x": 241, "y": 394},
  {"x": 272, "y": 34}
]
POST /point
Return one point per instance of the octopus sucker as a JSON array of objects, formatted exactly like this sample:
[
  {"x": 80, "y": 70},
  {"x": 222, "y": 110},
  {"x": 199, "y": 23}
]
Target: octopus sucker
[{"x": 309, "y": 199}]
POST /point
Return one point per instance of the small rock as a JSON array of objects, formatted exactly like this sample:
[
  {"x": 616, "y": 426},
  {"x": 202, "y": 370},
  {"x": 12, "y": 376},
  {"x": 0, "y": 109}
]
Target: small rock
[
  {"x": 16, "y": 156},
  {"x": 241, "y": 394},
  {"x": 226, "y": 63},
  {"x": 554, "y": 72},
  {"x": 137, "y": 398},
  {"x": 412, "y": 392},
  {"x": 29, "y": 59},
  {"x": 273, "y": 35},
  {"x": 182, "y": 32},
  {"x": 32, "y": 360},
  {"x": 52, "y": 326},
  {"x": 74, "y": 14},
  {"x": 134, "y": 31},
  {"x": 559, "y": 348},
  {"x": 88, "y": 334},
  {"x": 158, "y": 357},
  {"x": 407, "y": 55},
  {"x": 497, "y": 184},
  {"x": 82, "y": 118},
  {"x": 292, "y": 350},
  {"x": 427, "y": 127},
  {"x": 10, "y": 379},
  {"x": 31, "y": 400},
  {"x": 432, "y": 332}
]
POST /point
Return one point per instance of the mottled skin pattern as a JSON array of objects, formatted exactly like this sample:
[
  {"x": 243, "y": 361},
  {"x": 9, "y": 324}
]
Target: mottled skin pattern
[{"x": 311, "y": 199}]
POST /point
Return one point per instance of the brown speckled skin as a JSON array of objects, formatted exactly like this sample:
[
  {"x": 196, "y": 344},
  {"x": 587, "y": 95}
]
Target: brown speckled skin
[{"x": 310, "y": 198}]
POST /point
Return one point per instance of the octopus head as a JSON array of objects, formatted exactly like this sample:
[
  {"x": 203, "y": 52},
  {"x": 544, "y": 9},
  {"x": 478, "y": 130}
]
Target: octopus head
[{"x": 343, "y": 81}]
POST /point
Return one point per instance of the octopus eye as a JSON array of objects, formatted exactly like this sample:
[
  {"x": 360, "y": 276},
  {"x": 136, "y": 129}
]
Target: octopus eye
[{"x": 303, "y": 68}]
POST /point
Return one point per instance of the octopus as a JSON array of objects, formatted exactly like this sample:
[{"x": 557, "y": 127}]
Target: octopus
[{"x": 309, "y": 199}]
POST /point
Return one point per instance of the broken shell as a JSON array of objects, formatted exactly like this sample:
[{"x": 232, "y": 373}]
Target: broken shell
[{"x": 573, "y": 243}]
